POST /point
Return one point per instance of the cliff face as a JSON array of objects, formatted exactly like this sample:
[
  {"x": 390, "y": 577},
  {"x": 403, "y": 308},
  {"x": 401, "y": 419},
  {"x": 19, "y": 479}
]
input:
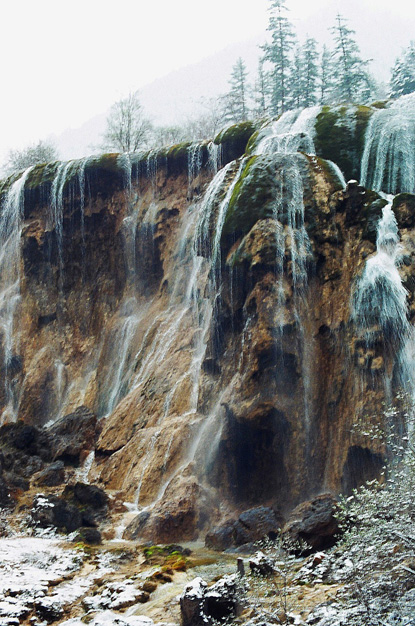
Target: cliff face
[{"x": 207, "y": 320}]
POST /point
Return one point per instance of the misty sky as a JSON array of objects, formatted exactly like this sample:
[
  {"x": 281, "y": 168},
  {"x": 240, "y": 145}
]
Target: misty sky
[{"x": 64, "y": 62}]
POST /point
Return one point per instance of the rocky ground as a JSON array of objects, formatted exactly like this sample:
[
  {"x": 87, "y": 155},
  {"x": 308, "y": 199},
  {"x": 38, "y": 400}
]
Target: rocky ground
[{"x": 70, "y": 552}]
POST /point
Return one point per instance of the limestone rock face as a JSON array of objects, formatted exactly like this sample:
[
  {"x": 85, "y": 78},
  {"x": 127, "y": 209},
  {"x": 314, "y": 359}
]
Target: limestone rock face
[{"x": 195, "y": 329}]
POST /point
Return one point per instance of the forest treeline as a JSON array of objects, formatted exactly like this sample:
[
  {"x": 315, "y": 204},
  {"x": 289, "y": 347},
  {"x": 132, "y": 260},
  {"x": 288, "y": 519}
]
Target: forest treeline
[{"x": 290, "y": 74}]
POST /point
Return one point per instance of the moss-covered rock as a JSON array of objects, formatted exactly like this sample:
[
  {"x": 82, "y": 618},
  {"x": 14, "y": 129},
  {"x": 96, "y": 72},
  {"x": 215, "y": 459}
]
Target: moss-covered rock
[
  {"x": 234, "y": 140},
  {"x": 253, "y": 196},
  {"x": 404, "y": 209},
  {"x": 340, "y": 133}
]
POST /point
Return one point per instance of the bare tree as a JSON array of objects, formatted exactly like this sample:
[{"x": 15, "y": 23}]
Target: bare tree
[
  {"x": 127, "y": 127},
  {"x": 42, "y": 152}
]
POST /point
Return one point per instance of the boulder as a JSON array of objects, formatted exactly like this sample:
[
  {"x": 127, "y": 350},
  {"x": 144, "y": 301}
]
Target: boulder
[
  {"x": 87, "y": 495},
  {"x": 72, "y": 434},
  {"x": 261, "y": 565},
  {"x": 88, "y": 535},
  {"x": 5, "y": 500},
  {"x": 136, "y": 526},
  {"x": 178, "y": 516},
  {"x": 192, "y": 603},
  {"x": 251, "y": 526},
  {"x": 52, "y": 511},
  {"x": 200, "y": 605},
  {"x": 314, "y": 523},
  {"x": 52, "y": 475}
]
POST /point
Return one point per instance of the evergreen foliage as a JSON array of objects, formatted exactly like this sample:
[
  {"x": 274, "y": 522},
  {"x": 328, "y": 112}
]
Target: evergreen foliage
[
  {"x": 277, "y": 53},
  {"x": 326, "y": 77},
  {"x": 403, "y": 73},
  {"x": 353, "y": 82},
  {"x": 236, "y": 108}
]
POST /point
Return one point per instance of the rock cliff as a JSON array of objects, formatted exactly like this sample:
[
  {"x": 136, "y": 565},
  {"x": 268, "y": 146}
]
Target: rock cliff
[{"x": 204, "y": 313}]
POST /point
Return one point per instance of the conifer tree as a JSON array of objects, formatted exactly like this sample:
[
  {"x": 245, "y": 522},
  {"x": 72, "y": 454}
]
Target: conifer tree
[
  {"x": 262, "y": 91},
  {"x": 236, "y": 108},
  {"x": 296, "y": 79},
  {"x": 353, "y": 81},
  {"x": 278, "y": 54},
  {"x": 326, "y": 76},
  {"x": 310, "y": 72},
  {"x": 403, "y": 73}
]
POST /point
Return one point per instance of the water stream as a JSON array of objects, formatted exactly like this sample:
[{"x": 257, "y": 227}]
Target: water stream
[
  {"x": 388, "y": 162},
  {"x": 11, "y": 219}
]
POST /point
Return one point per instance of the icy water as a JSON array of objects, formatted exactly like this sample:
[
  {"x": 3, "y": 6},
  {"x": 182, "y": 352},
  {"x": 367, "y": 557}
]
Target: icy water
[{"x": 44, "y": 580}]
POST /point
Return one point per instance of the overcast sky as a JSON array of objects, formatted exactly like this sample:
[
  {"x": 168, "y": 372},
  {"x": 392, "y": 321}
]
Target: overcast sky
[{"x": 65, "y": 61}]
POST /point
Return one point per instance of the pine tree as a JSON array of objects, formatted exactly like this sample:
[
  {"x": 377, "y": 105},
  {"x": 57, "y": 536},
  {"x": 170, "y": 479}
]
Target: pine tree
[
  {"x": 262, "y": 91},
  {"x": 326, "y": 76},
  {"x": 278, "y": 54},
  {"x": 403, "y": 73},
  {"x": 310, "y": 72},
  {"x": 296, "y": 77},
  {"x": 236, "y": 109},
  {"x": 353, "y": 81}
]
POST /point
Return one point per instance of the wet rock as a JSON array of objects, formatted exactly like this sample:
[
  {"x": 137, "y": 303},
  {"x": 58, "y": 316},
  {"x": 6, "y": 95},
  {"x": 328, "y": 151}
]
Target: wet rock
[
  {"x": 49, "y": 609},
  {"x": 5, "y": 500},
  {"x": 178, "y": 516},
  {"x": 72, "y": 434},
  {"x": 91, "y": 501},
  {"x": 52, "y": 511},
  {"x": 89, "y": 495},
  {"x": 261, "y": 564},
  {"x": 52, "y": 475},
  {"x": 221, "y": 538},
  {"x": 251, "y": 526},
  {"x": 16, "y": 482},
  {"x": 89, "y": 535},
  {"x": 200, "y": 605},
  {"x": 149, "y": 586},
  {"x": 136, "y": 526},
  {"x": 314, "y": 523},
  {"x": 193, "y": 604},
  {"x": 25, "y": 441}
]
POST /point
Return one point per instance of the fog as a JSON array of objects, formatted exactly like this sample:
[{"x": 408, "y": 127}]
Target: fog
[{"x": 65, "y": 63}]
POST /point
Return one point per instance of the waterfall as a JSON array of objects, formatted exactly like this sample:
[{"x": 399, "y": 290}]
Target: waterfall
[
  {"x": 11, "y": 217},
  {"x": 388, "y": 161},
  {"x": 380, "y": 299},
  {"x": 292, "y": 132}
]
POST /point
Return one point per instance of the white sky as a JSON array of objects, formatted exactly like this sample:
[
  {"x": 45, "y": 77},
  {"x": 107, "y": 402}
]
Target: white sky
[{"x": 65, "y": 61}]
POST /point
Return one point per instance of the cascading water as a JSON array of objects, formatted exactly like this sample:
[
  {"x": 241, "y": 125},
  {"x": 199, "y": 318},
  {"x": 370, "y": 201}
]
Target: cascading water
[
  {"x": 11, "y": 217},
  {"x": 388, "y": 161},
  {"x": 380, "y": 300},
  {"x": 293, "y": 131}
]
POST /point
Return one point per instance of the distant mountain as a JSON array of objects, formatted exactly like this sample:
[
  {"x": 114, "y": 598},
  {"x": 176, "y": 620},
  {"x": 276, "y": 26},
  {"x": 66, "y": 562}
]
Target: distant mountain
[{"x": 170, "y": 99}]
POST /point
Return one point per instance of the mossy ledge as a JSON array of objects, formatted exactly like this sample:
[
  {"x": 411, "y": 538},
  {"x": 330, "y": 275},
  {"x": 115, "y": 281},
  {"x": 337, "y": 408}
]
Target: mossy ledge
[
  {"x": 340, "y": 134},
  {"x": 234, "y": 140}
]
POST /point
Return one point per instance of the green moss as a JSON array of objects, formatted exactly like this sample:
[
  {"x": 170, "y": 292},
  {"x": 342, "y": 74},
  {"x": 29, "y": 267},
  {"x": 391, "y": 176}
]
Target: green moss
[
  {"x": 252, "y": 197},
  {"x": 379, "y": 104},
  {"x": 404, "y": 198},
  {"x": 321, "y": 165},
  {"x": 340, "y": 134},
  {"x": 179, "y": 150},
  {"x": 108, "y": 162},
  {"x": 404, "y": 209},
  {"x": 234, "y": 140},
  {"x": 41, "y": 175},
  {"x": 362, "y": 117}
]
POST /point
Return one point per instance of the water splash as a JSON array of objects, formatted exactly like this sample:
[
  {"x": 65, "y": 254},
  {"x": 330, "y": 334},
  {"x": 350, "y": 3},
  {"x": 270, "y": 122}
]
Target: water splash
[
  {"x": 11, "y": 218},
  {"x": 380, "y": 299},
  {"x": 388, "y": 161},
  {"x": 292, "y": 132}
]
